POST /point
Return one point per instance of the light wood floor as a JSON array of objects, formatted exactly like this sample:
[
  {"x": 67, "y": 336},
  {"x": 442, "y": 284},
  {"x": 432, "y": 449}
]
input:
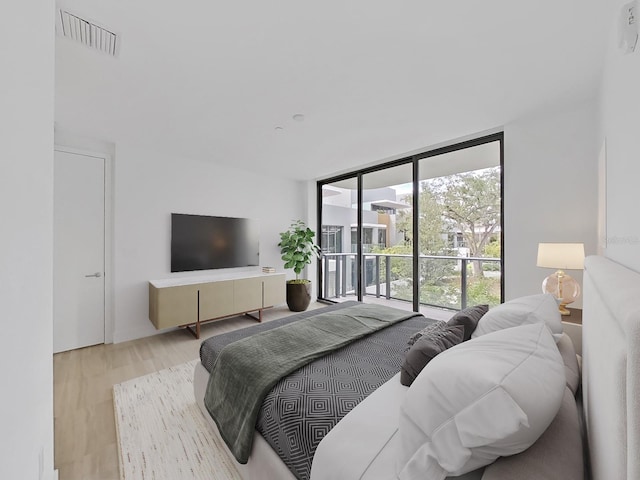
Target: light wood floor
[{"x": 84, "y": 426}]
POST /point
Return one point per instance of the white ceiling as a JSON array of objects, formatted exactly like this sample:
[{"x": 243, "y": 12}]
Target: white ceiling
[{"x": 374, "y": 79}]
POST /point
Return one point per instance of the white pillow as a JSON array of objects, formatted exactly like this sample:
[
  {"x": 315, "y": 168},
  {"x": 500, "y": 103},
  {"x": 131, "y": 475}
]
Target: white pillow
[
  {"x": 485, "y": 398},
  {"x": 541, "y": 308}
]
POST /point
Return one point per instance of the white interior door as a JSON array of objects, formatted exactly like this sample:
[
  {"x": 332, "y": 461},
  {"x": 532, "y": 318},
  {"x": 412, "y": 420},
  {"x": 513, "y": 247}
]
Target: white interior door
[{"x": 78, "y": 244}]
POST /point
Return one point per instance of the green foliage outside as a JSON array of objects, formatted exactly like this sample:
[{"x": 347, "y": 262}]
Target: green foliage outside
[
  {"x": 483, "y": 290},
  {"x": 430, "y": 222},
  {"x": 471, "y": 205},
  {"x": 400, "y": 267},
  {"x": 492, "y": 250},
  {"x": 446, "y": 292},
  {"x": 468, "y": 203}
]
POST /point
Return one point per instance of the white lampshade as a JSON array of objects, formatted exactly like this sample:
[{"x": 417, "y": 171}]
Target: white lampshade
[{"x": 563, "y": 256}]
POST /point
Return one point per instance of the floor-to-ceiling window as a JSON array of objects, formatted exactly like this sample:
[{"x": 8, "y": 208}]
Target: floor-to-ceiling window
[
  {"x": 387, "y": 236},
  {"x": 460, "y": 226},
  {"x": 339, "y": 239},
  {"x": 424, "y": 231}
]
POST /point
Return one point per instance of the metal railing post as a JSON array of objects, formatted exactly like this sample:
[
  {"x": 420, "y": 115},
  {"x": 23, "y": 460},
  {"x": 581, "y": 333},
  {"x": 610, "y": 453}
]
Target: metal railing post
[
  {"x": 326, "y": 277},
  {"x": 337, "y": 279},
  {"x": 364, "y": 275},
  {"x": 343, "y": 260},
  {"x": 377, "y": 276},
  {"x": 387, "y": 279},
  {"x": 463, "y": 283}
]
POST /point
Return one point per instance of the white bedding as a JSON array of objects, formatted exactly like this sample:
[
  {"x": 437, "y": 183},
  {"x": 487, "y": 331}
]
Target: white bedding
[{"x": 364, "y": 444}]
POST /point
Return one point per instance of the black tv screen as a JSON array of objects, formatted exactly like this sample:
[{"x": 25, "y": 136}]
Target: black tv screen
[{"x": 201, "y": 242}]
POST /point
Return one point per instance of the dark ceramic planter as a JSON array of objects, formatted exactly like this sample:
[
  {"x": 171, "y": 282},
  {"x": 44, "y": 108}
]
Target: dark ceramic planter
[{"x": 298, "y": 296}]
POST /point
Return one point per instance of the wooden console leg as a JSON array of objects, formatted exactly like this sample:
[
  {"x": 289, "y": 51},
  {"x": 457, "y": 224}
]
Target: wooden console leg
[
  {"x": 259, "y": 317},
  {"x": 196, "y": 332}
]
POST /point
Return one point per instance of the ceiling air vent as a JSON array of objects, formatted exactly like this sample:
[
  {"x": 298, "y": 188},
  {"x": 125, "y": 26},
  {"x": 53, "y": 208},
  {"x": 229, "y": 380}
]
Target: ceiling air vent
[{"x": 88, "y": 33}]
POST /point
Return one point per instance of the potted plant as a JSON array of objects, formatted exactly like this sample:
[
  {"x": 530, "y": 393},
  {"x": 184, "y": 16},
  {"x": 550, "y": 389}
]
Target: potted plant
[{"x": 298, "y": 249}]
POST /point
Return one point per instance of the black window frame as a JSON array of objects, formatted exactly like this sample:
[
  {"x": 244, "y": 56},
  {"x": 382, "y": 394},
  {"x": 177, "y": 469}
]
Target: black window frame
[{"x": 414, "y": 160}]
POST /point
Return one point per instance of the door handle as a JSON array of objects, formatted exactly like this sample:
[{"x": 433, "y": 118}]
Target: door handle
[{"x": 97, "y": 275}]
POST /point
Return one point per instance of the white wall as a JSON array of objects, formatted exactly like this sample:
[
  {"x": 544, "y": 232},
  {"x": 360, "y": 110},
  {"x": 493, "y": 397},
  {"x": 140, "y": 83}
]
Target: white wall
[
  {"x": 149, "y": 186},
  {"x": 621, "y": 128},
  {"x": 550, "y": 191},
  {"x": 26, "y": 237}
]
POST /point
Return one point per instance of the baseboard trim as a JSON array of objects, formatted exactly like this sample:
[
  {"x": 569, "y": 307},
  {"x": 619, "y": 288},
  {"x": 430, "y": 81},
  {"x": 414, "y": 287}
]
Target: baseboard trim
[{"x": 136, "y": 333}]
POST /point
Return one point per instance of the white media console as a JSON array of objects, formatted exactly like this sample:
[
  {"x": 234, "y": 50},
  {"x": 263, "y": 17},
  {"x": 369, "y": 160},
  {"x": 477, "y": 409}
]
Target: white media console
[{"x": 189, "y": 302}]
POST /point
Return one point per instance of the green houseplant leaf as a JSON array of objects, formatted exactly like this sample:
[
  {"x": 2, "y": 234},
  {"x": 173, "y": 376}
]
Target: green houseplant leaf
[{"x": 297, "y": 247}]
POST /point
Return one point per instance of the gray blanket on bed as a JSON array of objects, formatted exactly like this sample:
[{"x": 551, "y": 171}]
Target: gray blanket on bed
[{"x": 246, "y": 370}]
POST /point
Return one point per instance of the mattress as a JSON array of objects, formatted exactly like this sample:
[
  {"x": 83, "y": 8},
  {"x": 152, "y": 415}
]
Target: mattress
[{"x": 304, "y": 406}]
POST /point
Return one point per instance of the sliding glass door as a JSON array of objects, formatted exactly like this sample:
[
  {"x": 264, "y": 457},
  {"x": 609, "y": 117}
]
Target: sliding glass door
[
  {"x": 338, "y": 240},
  {"x": 387, "y": 236},
  {"x": 417, "y": 233},
  {"x": 460, "y": 227}
]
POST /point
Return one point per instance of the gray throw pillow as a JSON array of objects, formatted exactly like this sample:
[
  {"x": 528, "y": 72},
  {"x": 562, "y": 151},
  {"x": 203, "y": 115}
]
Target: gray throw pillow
[
  {"x": 426, "y": 348},
  {"x": 431, "y": 329},
  {"x": 468, "y": 318}
]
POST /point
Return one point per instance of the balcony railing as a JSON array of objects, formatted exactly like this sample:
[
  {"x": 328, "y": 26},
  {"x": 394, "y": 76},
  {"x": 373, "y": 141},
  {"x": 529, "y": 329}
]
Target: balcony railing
[
  {"x": 367, "y": 247},
  {"x": 445, "y": 281}
]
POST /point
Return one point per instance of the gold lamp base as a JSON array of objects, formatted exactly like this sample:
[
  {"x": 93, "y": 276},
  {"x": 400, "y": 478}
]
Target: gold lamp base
[{"x": 563, "y": 287}]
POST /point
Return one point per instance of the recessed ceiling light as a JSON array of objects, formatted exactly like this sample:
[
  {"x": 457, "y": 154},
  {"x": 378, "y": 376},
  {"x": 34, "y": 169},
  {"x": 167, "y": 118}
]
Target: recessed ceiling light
[{"x": 298, "y": 117}]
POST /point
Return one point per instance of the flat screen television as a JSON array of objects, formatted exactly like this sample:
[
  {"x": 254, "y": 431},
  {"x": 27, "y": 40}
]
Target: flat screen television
[{"x": 200, "y": 242}]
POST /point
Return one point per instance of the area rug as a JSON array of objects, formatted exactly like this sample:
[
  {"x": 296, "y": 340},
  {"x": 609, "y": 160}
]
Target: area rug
[{"x": 162, "y": 434}]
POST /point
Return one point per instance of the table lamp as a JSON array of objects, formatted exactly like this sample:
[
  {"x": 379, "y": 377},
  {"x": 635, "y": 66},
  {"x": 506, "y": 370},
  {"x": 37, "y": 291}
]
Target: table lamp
[{"x": 562, "y": 256}]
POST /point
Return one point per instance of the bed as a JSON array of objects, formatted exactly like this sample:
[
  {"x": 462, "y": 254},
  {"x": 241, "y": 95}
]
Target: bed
[
  {"x": 599, "y": 441},
  {"x": 352, "y": 377}
]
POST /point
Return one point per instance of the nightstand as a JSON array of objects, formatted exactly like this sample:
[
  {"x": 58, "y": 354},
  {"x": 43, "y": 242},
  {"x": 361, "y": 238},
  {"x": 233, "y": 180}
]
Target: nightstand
[
  {"x": 572, "y": 325},
  {"x": 575, "y": 317}
]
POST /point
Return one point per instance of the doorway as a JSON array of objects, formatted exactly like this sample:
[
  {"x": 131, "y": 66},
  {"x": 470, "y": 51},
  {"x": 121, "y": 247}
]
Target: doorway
[{"x": 79, "y": 245}]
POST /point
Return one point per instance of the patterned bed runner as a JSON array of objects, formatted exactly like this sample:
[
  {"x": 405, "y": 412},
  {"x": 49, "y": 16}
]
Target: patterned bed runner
[{"x": 302, "y": 407}]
